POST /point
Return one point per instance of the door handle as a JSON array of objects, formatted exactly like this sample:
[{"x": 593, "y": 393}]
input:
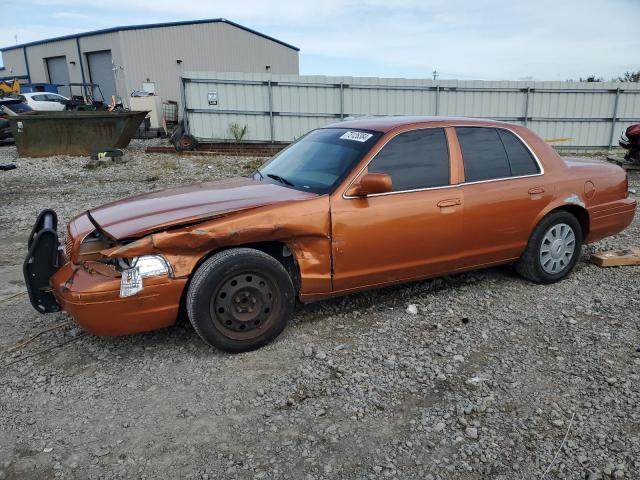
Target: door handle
[
  {"x": 536, "y": 191},
  {"x": 452, "y": 202}
]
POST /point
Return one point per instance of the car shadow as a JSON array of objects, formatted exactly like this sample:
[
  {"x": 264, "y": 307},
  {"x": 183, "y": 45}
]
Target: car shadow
[
  {"x": 389, "y": 297},
  {"x": 182, "y": 336}
]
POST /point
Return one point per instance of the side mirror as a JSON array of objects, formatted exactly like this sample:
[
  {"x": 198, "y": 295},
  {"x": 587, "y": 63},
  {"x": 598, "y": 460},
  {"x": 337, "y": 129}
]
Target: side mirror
[{"x": 371, "y": 184}]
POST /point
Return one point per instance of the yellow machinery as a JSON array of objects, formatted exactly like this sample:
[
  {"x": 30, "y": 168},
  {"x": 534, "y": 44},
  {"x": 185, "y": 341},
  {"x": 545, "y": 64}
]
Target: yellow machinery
[{"x": 7, "y": 88}]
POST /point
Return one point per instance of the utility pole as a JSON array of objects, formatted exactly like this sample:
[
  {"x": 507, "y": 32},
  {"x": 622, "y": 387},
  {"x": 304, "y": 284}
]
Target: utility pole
[{"x": 435, "y": 74}]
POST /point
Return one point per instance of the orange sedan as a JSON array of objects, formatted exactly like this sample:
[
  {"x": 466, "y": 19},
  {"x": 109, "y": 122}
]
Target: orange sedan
[{"x": 355, "y": 205}]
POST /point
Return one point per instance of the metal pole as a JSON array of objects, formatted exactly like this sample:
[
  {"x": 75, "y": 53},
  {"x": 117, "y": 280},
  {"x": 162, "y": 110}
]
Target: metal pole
[
  {"x": 341, "y": 100},
  {"x": 437, "y": 99},
  {"x": 526, "y": 105},
  {"x": 84, "y": 81},
  {"x": 614, "y": 118},
  {"x": 183, "y": 94},
  {"x": 26, "y": 63},
  {"x": 270, "y": 88}
]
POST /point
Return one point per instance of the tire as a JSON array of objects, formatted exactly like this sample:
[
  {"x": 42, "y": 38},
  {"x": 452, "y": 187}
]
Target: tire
[
  {"x": 240, "y": 299},
  {"x": 559, "y": 257},
  {"x": 188, "y": 142}
]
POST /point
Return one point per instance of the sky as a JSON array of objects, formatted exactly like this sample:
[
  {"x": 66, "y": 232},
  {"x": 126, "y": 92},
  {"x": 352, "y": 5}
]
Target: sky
[{"x": 472, "y": 39}]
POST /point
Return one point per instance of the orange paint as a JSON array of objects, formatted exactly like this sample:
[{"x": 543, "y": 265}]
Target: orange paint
[{"x": 340, "y": 242}]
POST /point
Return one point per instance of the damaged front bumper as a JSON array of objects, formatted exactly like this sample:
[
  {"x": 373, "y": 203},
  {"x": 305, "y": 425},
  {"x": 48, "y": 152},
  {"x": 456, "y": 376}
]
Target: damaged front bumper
[
  {"x": 94, "y": 301},
  {"x": 90, "y": 292}
]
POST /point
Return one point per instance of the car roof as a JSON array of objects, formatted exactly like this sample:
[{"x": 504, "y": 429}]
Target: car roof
[{"x": 385, "y": 124}]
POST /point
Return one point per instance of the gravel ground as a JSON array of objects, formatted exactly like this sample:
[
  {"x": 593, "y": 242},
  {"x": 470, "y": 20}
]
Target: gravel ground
[{"x": 477, "y": 376}]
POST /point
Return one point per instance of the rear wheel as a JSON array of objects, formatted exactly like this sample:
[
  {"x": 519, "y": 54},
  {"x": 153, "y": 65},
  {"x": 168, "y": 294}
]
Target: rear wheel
[
  {"x": 553, "y": 249},
  {"x": 240, "y": 299}
]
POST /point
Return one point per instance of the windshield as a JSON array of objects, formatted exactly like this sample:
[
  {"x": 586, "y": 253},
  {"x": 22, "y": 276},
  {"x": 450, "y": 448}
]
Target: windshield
[{"x": 319, "y": 160}]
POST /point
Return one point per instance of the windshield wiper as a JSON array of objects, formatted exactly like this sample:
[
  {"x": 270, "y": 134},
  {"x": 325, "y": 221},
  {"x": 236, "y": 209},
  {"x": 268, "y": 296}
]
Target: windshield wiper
[{"x": 280, "y": 179}]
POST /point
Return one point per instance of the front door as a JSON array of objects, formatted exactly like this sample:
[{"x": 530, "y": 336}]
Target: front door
[{"x": 409, "y": 233}]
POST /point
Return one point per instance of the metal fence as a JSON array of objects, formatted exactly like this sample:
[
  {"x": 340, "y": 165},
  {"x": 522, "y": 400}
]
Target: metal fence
[{"x": 280, "y": 108}]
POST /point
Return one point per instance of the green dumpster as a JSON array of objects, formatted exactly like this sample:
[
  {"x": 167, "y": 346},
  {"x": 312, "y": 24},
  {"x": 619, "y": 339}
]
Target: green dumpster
[{"x": 41, "y": 134}]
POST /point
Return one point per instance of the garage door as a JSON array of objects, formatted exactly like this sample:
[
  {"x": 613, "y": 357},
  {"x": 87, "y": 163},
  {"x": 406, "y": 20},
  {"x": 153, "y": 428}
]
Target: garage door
[
  {"x": 101, "y": 72},
  {"x": 59, "y": 73}
]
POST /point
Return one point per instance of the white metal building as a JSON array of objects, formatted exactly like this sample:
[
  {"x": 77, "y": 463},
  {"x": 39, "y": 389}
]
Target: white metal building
[{"x": 120, "y": 59}]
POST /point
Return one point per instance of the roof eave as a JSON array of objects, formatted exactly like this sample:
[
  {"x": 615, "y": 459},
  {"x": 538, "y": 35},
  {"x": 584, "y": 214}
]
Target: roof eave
[{"x": 148, "y": 26}]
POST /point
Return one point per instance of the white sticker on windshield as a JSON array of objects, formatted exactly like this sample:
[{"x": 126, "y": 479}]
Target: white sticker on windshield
[{"x": 356, "y": 136}]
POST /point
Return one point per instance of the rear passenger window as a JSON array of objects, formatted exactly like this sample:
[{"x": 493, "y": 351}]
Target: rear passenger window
[
  {"x": 520, "y": 158},
  {"x": 416, "y": 159},
  {"x": 491, "y": 153},
  {"x": 483, "y": 154}
]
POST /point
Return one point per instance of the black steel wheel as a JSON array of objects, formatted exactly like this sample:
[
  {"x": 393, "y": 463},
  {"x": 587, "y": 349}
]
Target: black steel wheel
[{"x": 240, "y": 299}]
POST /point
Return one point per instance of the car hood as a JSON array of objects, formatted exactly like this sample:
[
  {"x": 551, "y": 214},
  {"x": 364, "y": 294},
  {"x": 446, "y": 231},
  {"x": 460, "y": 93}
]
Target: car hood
[{"x": 143, "y": 214}]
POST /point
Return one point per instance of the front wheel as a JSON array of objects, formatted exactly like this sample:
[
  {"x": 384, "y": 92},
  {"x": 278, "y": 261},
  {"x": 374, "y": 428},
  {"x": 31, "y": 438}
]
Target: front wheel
[
  {"x": 240, "y": 299},
  {"x": 553, "y": 249}
]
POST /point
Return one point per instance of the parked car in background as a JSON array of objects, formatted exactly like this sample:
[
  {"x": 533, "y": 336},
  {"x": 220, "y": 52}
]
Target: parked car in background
[
  {"x": 10, "y": 106},
  {"x": 44, "y": 101},
  {"x": 5, "y": 130},
  {"x": 352, "y": 206},
  {"x": 16, "y": 105}
]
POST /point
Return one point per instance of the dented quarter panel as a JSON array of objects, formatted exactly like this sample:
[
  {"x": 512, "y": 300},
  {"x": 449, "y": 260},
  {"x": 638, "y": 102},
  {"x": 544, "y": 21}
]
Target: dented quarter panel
[{"x": 607, "y": 207}]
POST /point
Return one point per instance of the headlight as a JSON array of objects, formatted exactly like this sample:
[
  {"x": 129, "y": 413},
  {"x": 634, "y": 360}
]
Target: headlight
[
  {"x": 152, "y": 266},
  {"x": 142, "y": 267}
]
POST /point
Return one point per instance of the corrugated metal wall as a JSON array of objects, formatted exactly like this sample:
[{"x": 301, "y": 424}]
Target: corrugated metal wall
[
  {"x": 159, "y": 54},
  {"x": 284, "y": 107},
  {"x": 153, "y": 54}
]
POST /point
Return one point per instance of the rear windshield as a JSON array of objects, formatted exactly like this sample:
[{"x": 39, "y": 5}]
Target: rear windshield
[{"x": 320, "y": 160}]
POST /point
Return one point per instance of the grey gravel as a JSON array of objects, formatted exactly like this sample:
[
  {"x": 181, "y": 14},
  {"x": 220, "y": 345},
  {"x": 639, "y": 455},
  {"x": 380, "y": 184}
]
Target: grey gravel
[{"x": 480, "y": 381}]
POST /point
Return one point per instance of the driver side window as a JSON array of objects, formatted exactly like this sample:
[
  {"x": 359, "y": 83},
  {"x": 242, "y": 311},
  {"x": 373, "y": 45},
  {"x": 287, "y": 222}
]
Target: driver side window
[{"x": 414, "y": 160}]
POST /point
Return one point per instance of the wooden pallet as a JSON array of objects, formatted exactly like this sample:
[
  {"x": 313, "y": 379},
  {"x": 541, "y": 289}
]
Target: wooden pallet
[{"x": 617, "y": 258}]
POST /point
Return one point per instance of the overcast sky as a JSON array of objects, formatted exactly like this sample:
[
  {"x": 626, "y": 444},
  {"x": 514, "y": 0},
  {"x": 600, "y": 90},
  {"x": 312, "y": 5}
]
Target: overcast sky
[{"x": 473, "y": 39}]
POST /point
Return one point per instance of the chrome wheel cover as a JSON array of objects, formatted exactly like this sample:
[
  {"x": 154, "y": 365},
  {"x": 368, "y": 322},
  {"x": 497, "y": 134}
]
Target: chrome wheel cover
[{"x": 557, "y": 248}]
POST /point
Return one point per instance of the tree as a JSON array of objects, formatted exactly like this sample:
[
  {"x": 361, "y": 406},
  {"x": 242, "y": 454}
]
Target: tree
[
  {"x": 630, "y": 77},
  {"x": 591, "y": 78}
]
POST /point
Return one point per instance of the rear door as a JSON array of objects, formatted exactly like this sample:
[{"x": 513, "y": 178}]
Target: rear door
[
  {"x": 411, "y": 232},
  {"x": 55, "y": 101},
  {"x": 38, "y": 102},
  {"x": 504, "y": 191}
]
